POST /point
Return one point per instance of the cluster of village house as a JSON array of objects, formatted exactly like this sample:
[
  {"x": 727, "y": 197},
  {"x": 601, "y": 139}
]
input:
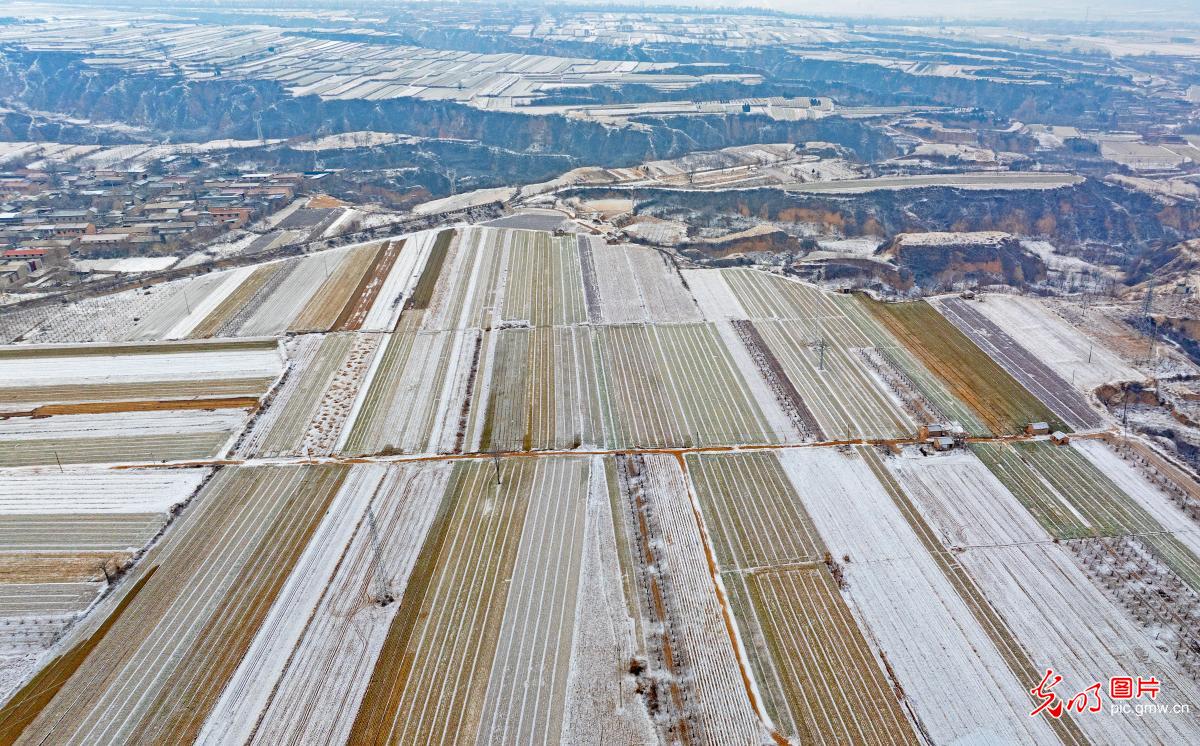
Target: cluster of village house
[{"x": 119, "y": 213}]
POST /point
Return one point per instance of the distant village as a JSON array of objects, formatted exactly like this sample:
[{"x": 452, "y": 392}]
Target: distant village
[{"x": 55, "y": 222}]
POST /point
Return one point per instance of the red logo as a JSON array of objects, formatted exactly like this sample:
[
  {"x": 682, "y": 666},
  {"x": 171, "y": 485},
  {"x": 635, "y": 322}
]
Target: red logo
[{"x": 1089, "y": 699}]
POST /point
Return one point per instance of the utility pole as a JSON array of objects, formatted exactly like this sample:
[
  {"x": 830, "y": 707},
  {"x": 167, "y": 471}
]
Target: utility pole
[
  {"x": 496, "y": 464},
  {"x": 821, "y": 351},
  {"x": 381, "y": 594}
]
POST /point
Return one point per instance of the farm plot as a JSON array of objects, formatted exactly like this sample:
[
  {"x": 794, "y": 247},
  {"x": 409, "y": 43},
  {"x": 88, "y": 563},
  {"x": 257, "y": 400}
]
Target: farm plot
[
  {"x": 304, "y": 685},
  {"x": 433, "y": 671},
  {"x": 676, "y": 385},
  {"x": 124, "y": 437},
  {"x": 924, "y": 393},
  {"x": 194, "y": 607},
  {"x": 197, "y": 313},
  {"x": 540, "y": 391},
  {"x": 441, "y": 300},
  {"x": 912, "y": 608},
  {"x": 819, "y": 679},
  {"x": 273, "y": 313},
  {"x": 61, "y": 533},
  {"x": 324, "y": 310},
  {"x": 526, "y": 694},
  {"x": 636, "y": 284},
  {"x": 713, "y": 295},
  {"x": 32, "y": 377},
  {"x": 1068, "y": 350},
  {"x": 694, "y": 682},
  {"x": 834, "y": 385},
  {"x": 176, "y": 307},
  {"x": 363, "y": 298},
  {"x": 1000, "y": 401},
  {"x": 1057, "y": 613},
  {"x": 366, "y": 489},
  {"x": 543, "y": 281},
  {"x": 767, "y": 296},
  {"x": 399, "y": 281},
  {"x": 1151, "y": 497},
  {"x": 234, "y": 302},
  {"x": 416, "y": 395},
  {"x": 1061, "y": 397},
  {"x": 1072, "y": 499},
  {"x": 32, "y": 617},
  {"x": 308, "y": 410},
  {"x": 602, "y": 694}
]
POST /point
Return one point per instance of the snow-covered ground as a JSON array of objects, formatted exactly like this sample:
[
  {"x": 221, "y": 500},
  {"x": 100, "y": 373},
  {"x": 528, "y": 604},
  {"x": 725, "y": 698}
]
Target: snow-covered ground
[
  {"x": 127, "y": 264},
  {"x": 49, "y": 491},
  {"x": 1067, "y": 350}
]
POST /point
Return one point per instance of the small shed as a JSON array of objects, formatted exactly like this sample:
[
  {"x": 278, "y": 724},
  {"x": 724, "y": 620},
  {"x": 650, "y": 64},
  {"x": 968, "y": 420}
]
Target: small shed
[
  {"x": 1037, "y": 428},
  {"x": 1059, "y": 438},
  {"x": 937, "y": 429},
  {"x": 943, "y": 443}
]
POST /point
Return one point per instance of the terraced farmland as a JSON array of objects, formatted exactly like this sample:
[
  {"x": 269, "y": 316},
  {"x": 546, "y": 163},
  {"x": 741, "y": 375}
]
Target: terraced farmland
[{"x": 494, "y": 485}]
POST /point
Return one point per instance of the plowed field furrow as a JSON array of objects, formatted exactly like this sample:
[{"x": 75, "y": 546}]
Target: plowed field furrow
[
  {"x": 431, "y": 678},
  {"x": 111, "y": 532},
  {"x": 1000, "y": 400},
  {"x": 232, "y": 325},
  {"x": 233, "y": 303},
  {"x": 1015, "y": 655},
  {"x": 288, "y": 426}
]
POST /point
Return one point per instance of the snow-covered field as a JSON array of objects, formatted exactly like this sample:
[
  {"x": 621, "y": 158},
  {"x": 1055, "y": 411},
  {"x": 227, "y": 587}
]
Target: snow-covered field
[
  {"x": 127, "y": 264},
  {"x": 48, "y": 491},
  {"x": 1066, "y": 349},
  {"x": 909, "y": 608},
  {"x": 66, "y": 369}
]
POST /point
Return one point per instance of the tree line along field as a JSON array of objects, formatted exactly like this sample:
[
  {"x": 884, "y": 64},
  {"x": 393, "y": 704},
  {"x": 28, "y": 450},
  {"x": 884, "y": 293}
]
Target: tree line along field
[{"x": 484, "y": 484}]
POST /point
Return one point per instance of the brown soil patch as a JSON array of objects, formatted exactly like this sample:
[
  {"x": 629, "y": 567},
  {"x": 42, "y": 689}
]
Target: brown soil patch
[
  {"x": 324, "y": 201},
  {"x": 76, "y": 567},
  {"x": 109, "y": 407}
]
